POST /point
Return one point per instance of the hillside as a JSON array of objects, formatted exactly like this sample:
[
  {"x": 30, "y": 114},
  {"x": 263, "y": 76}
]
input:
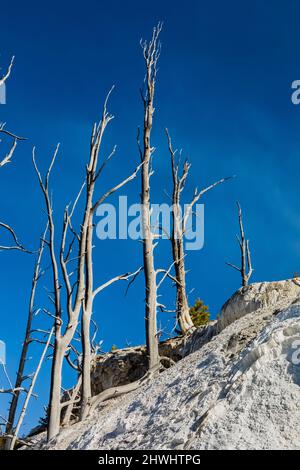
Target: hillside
[{"x": 237, "y": 387}]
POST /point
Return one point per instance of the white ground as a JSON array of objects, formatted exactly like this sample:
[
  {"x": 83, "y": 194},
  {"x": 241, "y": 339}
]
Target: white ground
[{"x": 236, "y": 392}]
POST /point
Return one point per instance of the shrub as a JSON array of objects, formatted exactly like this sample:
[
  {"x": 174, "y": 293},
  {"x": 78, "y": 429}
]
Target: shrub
[{"x": 200, "y": 313}]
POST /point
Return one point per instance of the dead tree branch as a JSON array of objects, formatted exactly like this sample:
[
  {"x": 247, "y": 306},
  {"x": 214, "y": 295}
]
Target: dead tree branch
[
  {"x": 17, "y": 245},
  {"x": 30, "y": 391},
  {"x": 27, "y": 338},
  {"x": 8, "y": 72},
  {"x": 245, "y": 269}
]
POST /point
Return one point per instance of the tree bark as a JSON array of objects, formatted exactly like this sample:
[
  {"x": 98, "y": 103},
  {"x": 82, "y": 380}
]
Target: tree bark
[
  {"x": 246, "y": 269},
  {"x": 151, "y": 52},
  {"x": 178, "y": 232},
  {"x": 30, "y": 391},
  {"x": 55, "y": 388},
  {"x": 26, "y": 342}
]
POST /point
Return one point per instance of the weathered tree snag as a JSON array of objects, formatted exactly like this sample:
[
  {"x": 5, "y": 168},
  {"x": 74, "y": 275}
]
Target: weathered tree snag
[
  {"x": 30, "y": 392},
  {"x": 246, "y": 269},
  {"x": 62, "y": 339},
  {"x": 7, "y": 159},
  {"x": 90, "y": 292},
  {"x": 83, "y": 289},
  {"x": 151, "y": 52},
  {"x": 177, "y": 239},
  {"x": 27, "y": 338},
  {"x": 180, "y": 218}
]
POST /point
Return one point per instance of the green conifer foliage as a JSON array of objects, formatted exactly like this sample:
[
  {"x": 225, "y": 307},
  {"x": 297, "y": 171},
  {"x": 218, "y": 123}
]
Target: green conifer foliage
[{"x": 200, "y": 313}]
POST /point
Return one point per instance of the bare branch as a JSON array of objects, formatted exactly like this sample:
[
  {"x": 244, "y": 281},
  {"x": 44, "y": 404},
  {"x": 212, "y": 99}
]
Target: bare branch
[
  {"x": 197, "y": 196},
  {"x": 7, "y": 74},
  {"x": 122, "y": 277},
  {"x": 30, "y": 392},
  {"x": 118, "y": 186},
  {"x": 17, "y": 245}
]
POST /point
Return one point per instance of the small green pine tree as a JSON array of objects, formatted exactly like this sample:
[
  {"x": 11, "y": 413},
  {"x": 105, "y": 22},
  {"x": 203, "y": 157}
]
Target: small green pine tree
[
  {"x": 200, "y": 313},
  {"x": 113, "y": 348}
]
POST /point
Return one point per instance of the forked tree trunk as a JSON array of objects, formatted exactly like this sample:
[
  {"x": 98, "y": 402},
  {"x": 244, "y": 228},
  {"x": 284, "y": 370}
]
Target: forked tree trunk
[
  {"x": 62, "y": 339},
  {"x": 90, "y": 293},
  {"x": 180, "y": 219},
  {"x": 177, "y": 239}
]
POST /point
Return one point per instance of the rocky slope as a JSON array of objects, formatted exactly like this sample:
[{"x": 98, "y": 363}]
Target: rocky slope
[{"x": 238, "y": 386}]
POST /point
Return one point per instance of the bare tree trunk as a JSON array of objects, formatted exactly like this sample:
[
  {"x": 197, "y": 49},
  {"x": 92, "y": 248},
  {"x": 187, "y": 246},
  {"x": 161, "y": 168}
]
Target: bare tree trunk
[
  {"x": 27, "y": 339},
  {"x": 90, "y": 292},
  {"x": 182, "y": 306},
  {"x": 246, "y": 269},
  {"x": 177, "y": 237},
  {"x": 62, "y": 340},
  {"x": 30, "y": 391},
  {"x": 55, "y": 391},
  {"x": 86, "y": 388},
  {"x": 151, "y": 53},
  {"x": 83, "y": 288}
]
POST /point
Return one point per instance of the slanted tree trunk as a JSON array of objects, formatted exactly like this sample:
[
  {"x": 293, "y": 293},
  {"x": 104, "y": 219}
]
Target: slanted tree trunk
[
  {"x": 70, "y": 404},
  {"x": 29, "y": 393},
  {"x": 151, "y": 53},
  {"x": 27, "y": 340}
]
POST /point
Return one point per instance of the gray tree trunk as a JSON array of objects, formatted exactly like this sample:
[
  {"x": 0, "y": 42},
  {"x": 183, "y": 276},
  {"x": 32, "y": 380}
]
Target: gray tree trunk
[{"x": 151, "y": 54}]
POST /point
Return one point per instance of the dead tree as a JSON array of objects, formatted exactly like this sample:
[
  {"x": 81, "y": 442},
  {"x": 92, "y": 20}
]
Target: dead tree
[
  {"x": 3, "y": 132},
  {"x": 179, "y": 227},
  {"x": 21, "y": 377},
  {"x": 91, "y": 291},
  {"x": 4, "y": 160},
  {"x": 30, "y": 392},
  {"x": 151, "y": 55},
  {"x": 80, "y": 293},
  {"x": 151, "y": 52},
  {"x": 62, "y": 338},
  {"x": 246, "y": 269}
]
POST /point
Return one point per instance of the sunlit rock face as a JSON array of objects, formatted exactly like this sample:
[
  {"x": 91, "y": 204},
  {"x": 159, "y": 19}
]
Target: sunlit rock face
[
  {"x": 123, "y": 366},
  {"x": 267, "y": 296}
]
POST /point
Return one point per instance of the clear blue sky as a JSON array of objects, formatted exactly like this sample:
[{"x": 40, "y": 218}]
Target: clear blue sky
[{"x": 223, "y": 91}]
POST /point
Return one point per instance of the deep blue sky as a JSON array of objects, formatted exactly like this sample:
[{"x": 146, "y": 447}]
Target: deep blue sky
[{"x": 223, "y": 90}]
